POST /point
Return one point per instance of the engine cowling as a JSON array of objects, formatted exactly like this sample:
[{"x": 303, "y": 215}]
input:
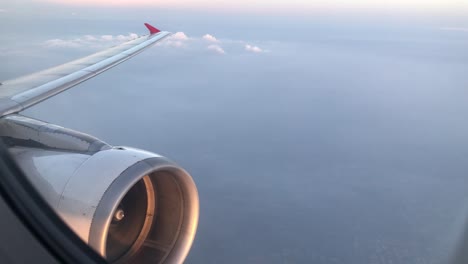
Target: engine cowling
[{"x": 130, "y": 205}]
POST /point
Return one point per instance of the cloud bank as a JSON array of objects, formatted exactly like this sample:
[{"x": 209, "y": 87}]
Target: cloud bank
[
  {"x": 90, "y": 41},
  {"x": 207, "y": 42}
]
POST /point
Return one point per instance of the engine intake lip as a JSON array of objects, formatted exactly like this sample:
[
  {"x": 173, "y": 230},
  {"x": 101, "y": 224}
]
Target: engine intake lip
[{"x": 183, "y": 234}]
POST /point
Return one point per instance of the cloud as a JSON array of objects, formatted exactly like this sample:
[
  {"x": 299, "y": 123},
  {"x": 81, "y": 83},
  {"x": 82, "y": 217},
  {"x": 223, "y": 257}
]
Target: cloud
[
  {"x": 127, "y": 38},
  {"x": 254, "y": 49},
  {"x": 217, "y": 49},
  {"x": 3, "y": 10},
  {"x": 179, "y": 36},
  {"x": 210, "y": 38},
  {"x": 176, "y": 40},
  {"x": 172, "y": 43},
  {"x": 107, "y": 37},
  {"x": 53, "y": 43},
  {"x": 89, "y": 38},
  {"x": 182, "y": 40},
  {"x": 121, "y": 37},
  {"x": 90, "y": 41},
  {"x": 179, "y": 40}
]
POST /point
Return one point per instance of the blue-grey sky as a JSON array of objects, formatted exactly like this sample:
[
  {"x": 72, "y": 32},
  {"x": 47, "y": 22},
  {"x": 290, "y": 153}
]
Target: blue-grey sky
[{"x": 338, "y": 137}]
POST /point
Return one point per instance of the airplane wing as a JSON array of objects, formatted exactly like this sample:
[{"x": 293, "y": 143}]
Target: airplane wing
[
  {"x": 21, "y": 93},
  {"x": 129, "y": 205}
]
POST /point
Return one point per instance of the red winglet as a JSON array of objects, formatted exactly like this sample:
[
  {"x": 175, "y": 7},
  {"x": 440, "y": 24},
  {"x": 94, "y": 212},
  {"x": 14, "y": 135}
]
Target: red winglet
[{"x": 152, "y": 29}]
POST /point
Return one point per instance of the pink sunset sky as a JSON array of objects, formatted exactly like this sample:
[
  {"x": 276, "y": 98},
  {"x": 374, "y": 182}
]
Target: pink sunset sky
[{"x": 279, "y": 4}]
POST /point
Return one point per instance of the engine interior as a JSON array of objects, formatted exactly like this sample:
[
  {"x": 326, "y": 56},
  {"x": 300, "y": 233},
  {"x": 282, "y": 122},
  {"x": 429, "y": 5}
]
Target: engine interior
[{"x": 152, "y": 223}]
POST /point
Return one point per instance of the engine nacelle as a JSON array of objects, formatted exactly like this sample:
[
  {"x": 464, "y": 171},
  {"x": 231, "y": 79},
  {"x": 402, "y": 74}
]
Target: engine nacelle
[{"x": 131, "y": 206}]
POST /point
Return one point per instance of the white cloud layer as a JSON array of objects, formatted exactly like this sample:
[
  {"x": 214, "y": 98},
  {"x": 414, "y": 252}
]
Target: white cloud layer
[
  {"x": 178, "y": 36},
  {"x": 216, "y": 48},
  {"x": 177, "y": 40},
  {"x": 107, "y": 37},
  {"x": 172, "y": 43},
  {"x": 90, "y": 41},
  {"x": 210, "y": 38},
  {"x": 53, "y": 43},
  {"x": 89, "y": 38},
  {"x": 180, "y": 39},
  {"x": 254, "y": 49}
]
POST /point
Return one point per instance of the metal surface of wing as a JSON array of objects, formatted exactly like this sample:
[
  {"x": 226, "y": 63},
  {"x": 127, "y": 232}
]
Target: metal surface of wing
[{"x": 21, "y": 93}]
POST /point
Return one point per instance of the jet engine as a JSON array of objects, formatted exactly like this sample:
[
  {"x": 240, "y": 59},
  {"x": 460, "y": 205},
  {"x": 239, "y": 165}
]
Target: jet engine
[{"x": 129, "y": 205}]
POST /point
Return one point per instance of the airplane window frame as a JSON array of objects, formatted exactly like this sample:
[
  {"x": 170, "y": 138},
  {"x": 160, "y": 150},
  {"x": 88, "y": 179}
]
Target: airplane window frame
[{"x": 38, "y": 217}]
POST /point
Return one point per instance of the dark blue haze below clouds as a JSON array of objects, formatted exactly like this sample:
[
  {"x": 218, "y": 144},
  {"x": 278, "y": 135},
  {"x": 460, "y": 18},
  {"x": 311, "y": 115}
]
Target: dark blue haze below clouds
[{"x": 346, "y": 143}]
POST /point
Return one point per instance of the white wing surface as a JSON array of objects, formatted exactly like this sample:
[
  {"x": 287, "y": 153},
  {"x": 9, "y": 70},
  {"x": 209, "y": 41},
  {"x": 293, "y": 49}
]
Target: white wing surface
[{"x": 21, "y": 93}]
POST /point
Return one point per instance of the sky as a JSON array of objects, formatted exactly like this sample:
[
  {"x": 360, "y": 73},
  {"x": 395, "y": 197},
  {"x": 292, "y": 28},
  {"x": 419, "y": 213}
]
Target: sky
[
  {"x": 277, "y": 7},
  {"x": 313, "y": 137},
  {"x": 259, "y": 4}
]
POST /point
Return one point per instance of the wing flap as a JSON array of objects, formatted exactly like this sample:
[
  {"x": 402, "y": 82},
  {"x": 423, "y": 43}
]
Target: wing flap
[{"x": 21, "y": 93}]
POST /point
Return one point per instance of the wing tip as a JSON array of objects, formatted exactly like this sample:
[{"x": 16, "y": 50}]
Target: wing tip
[{"x": 152, "y": 29}]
